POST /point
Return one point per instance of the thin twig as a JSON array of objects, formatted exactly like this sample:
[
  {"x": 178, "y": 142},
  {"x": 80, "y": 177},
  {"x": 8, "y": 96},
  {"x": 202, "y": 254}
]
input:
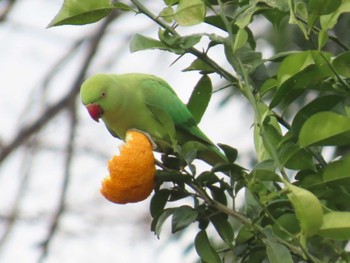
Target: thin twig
[
  {"x": 200, "y": 55},
  {"x": 11, "y": 218},
  {"x": 26, "y": 132},
  {"x": 66, "y": 179},
  {"x": 7, "y": 9}
]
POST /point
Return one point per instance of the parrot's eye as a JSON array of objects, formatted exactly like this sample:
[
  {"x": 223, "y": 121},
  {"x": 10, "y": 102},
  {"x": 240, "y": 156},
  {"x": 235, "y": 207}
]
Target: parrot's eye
[{"x": 103, "y": 94}]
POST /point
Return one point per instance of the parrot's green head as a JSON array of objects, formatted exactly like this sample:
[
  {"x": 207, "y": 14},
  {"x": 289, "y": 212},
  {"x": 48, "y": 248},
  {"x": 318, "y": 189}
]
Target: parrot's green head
[{"x": 95, "y": 94}]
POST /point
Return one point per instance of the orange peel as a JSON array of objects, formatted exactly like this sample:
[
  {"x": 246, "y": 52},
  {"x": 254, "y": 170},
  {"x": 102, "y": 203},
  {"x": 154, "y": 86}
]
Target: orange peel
[{"x": 131, "y": 173}]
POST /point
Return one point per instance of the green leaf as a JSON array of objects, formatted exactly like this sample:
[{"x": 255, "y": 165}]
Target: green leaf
[
  {"x": 295, "y": 158},
  {"x": 167, "y": 14},
  {"x": 269, "y": 85},
  {"x": 178, "y": 44},
  {"x": 204, "y": 249},
  {"x": 267, "y": 137},
  {"x": 190, "y": 12},
  {"x": 323, "y": 103},
  {"x": 219, "y": 23},
  {"x": 223, "y": 227},
  {"x": 246, "y": 16},
  {"x": 75, "y": 12},
  {"x": 207, "y": 178},
  {"x": 325, "y": 128},
  {"x": 243, "y": 235},
  {"x": 171, "y": 2},
  {"x": 336, "y": 225},
  {"x": 265, "y": 171},
  {"x": 158, "y": 202},
  {"x": 342, "y": 64},
  {"x": 323, "y": 7},
  {"x": 240, "y": 40},
  {"x": 140, "y": 42},
  {"x": 337, "y": 170},
  {"x": 171, "y": 176},
  {"x": 230, "y": 152},
  {"x": 218, "y": 194},
  {"x": 300, "y": 71},
  {"x": 330, "y": 20},
  {"x": 277, "y": 253},
  {"x": 200, "y": 98},
  {"x": 286, "y": 222},
  {"x": 298, "y": 9},
  {"x": 122, "y": 6},
  {"x": 308, "y": 209},
  {"x": 200, "y": 65},
  {"x": 158, "y": 221},
  {"x": 183, "y": 216},
  {"x": 190, "y": 150}
]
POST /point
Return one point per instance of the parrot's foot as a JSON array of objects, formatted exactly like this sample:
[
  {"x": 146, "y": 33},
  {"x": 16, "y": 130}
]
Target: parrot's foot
[{"x": 154, "y": 145}]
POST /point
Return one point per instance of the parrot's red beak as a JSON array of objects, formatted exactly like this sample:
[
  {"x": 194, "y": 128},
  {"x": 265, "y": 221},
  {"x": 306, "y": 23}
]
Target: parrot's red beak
[{"x": 95, "y": 111}]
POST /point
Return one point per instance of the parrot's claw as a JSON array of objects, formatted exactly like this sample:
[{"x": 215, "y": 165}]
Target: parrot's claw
[{"x": 154, "y": 145}]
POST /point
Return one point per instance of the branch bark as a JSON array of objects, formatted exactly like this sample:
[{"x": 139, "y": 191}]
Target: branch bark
[{"x": 26, "y": 132}]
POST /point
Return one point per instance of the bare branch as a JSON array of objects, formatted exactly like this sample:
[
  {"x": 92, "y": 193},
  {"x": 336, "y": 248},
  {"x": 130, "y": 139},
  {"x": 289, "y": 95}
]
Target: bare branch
[
  {"x": 66, "y": 179},
  {"x": 27, "y": 131},
  {"x": 7, "y": 9}
]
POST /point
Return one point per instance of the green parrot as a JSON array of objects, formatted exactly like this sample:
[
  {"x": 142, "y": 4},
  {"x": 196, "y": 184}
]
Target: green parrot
[{"x": 146, "y": 103}]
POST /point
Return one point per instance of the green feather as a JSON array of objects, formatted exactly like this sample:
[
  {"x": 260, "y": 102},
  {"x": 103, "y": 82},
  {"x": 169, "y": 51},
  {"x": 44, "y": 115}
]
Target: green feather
[{"x": 149, "y": 104}]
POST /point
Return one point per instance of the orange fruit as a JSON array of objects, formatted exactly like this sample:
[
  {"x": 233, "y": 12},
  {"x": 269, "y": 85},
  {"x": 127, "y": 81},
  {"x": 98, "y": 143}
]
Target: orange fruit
[{"x": 131, "y": 173}]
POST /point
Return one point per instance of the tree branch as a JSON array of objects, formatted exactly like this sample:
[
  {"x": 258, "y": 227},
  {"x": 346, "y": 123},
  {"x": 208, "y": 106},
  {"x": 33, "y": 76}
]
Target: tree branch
[{"x": 26, "y": 132}]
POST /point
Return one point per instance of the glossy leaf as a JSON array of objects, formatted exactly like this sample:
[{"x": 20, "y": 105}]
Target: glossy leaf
[
  {"x": 218, "y": 194},
  {"x": 325, "y": 128},
  {"x": 323, "y": 7},
  {"x": 295, "y": 158},
  {"x": 246, "y": 17},
  {"x": 183, "y": 216},
  {"x": 200, "y": 65},
  {"x": 342, "y": 64},
  {"x": 286, "y": 222},
  {"x": 223, "y": 227},
  {"x": 298, "y": 72},
  {"x": 230, "y": 152},
  {"x": 240, "y": 40},
  {"x": 191, "y": 149},
  {"x": 329, "y": 21},
  {"x": 167, "y": 14},
  {"x": 140, "y": 42},
  {"x": 171, "y": 2},
  {"x": 336, "y": 225},
  {"x": 158, "y": 201},
  {"x": 177, "y": 43},
  {"x": 337, "y": 170},
  {"x": 207, "y": 178},
  {"x": 204, "y": 249},
  {"x": 267, "y": 137},
  {"x": 190, "y": 12},
  {"x": 200, "y": 98},
  {"x": 323, "y": 103},
  {"x": 75, "y": 12},
  {"x": 265, "y": 171},
  {"x": 308, "y": 209},
  {"x": 278, "y": 253},
  {"x": 158, "y": 221}
]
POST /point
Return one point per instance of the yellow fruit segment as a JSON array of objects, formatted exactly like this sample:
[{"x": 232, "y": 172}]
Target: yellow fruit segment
[{"x": 132, "y": 172}]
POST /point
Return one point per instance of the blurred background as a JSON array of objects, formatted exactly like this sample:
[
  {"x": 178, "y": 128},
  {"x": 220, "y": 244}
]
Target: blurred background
[{"x": 53, "y": 156}]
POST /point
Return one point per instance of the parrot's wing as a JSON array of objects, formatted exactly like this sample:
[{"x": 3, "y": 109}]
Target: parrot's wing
[{"x": 160, "y": 95}]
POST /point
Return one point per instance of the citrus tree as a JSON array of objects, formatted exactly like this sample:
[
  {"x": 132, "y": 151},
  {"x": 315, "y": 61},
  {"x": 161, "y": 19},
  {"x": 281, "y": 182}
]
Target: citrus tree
[{"x": 296, "y": 206}]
